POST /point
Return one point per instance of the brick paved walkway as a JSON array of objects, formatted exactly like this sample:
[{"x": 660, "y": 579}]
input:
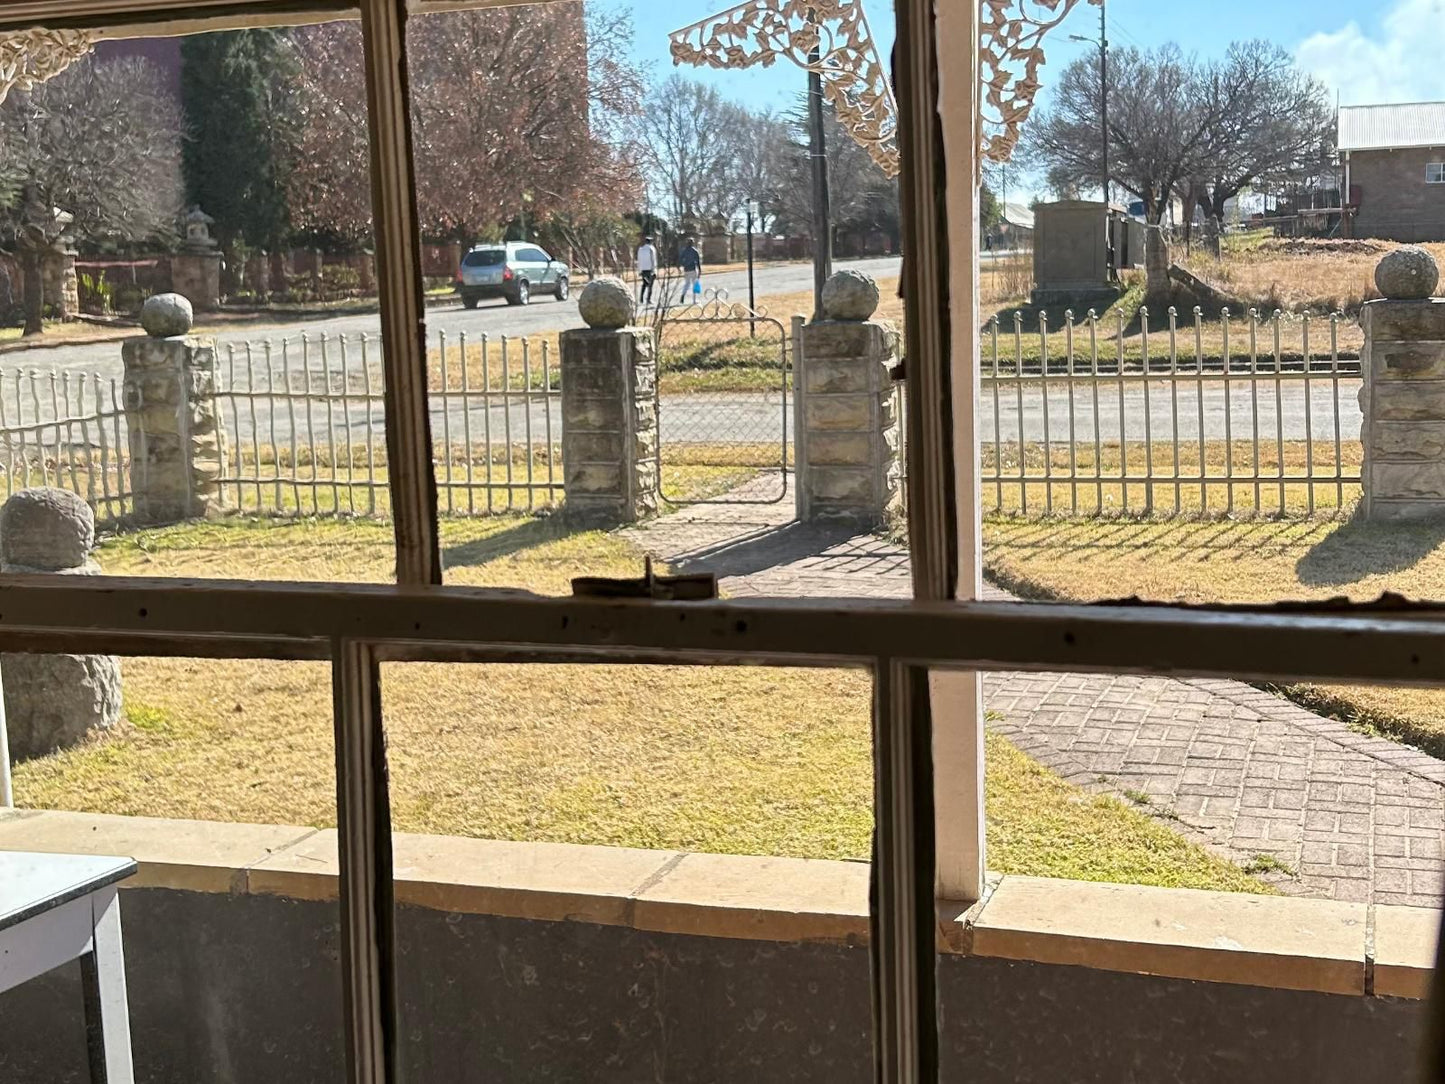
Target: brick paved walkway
[{"x": 1354, "y": 817}]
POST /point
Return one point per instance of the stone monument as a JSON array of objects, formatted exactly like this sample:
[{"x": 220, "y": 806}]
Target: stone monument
[
  {"x": 53, "y": 701},
  {"x": 196, "y": 268}
]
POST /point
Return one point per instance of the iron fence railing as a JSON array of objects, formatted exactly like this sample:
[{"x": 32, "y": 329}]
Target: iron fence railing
[
  {"x": 1251, "y": 415},
  {"x": 307, "y": 427},
  {"x": 66, "y": 430},
  {"x": 1240, "y": 415}
]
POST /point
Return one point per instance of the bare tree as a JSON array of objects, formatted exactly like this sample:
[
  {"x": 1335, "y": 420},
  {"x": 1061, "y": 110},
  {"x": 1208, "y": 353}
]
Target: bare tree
[
  {"x": 687, "y": 134},
  {"x": 862, "y": 197},
  {"x": 1160, "y": 123},
  {"x": 101, "y": 143},
  {"x": 1176, "y": 126},
  {"x": 1269, "y": 120},
  {"x": 513, "y": 108}
]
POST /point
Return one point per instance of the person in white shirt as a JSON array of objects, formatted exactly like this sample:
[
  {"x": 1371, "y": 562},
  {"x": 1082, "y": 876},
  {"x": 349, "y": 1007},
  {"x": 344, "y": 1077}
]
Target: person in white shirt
[{"x": 646, "y": 270}]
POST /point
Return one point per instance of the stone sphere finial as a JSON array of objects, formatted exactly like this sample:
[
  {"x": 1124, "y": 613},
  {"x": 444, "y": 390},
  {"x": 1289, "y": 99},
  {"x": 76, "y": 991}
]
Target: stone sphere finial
[
  {"x": 1407, "y": 274},
  {"x": 850, "y": 295},
  {"x": 607, "y": 303},
  {"x": 167, "y": 315},
  {"x": 46, "y": 529}
]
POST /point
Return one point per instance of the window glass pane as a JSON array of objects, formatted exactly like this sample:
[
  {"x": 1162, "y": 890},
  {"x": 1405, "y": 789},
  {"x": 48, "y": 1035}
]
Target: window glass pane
[
  {"x": 1200, "y": 398},
  {"x": 212, "y": 774},
  {"x": 545, "y": 160},
  {"x": 250, "y": 443},
  {"x": 638, "y": 854}
]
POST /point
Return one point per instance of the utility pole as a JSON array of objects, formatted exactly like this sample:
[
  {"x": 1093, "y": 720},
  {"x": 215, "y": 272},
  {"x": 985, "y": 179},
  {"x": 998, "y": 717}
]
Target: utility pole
[
  {"x": 822, "y": 202},
  {"x": 1102, "y": 42},
  {"x": 1104, "y": 90}
]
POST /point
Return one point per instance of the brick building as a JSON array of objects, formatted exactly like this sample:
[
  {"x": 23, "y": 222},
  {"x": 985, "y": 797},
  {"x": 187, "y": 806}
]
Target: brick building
[{"x": 1393, "y": 157}]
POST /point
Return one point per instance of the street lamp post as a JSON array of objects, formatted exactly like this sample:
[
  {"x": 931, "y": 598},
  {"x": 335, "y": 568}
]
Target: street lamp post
[
  {"x": 752, "y": 292},
  {"x": 822, "y": 196}
]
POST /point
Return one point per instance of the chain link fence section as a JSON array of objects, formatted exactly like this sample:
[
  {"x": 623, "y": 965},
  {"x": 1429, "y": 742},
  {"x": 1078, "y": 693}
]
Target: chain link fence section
[{"x": 724, "y": 402}]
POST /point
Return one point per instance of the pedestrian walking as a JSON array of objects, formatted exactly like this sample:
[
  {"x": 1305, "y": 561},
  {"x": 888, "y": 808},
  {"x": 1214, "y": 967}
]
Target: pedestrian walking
[
  {"x": 691, "y": 260},
  {"x": 646, "y": 270}
]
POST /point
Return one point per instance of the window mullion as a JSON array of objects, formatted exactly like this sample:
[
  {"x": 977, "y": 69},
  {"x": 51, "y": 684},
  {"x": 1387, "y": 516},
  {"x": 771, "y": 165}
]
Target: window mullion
[
  {"x": 902, "y": 917},
  {"x": 363, "y": 819},
  {"x": 399, "y": 283}
]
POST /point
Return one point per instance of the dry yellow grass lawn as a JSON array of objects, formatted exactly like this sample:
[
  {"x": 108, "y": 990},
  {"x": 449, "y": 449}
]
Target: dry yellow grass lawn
[
  {"x": 1321, "y": 275},
  {"x": 743, "y": 760},
  {"x": 1233, "y": 561}
]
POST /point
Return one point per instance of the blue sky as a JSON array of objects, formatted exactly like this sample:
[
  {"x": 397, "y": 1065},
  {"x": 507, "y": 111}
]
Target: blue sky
[
  {"x": 1369, "y": 51},
  {"x": 775, "y": 88}
]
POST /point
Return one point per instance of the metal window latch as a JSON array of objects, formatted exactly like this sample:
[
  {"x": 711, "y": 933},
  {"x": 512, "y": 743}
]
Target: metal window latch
[{"x": 695, "y": 587}]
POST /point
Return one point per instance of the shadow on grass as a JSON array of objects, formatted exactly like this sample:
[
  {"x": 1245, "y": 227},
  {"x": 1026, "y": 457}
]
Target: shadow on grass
[
  {"x": 534, "y": 531},
  {"x": 1358, "y": 549}
]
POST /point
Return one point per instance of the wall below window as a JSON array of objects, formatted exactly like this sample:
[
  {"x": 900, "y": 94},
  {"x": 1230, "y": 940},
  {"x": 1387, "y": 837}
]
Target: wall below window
[{"x": 228, "y": 983}]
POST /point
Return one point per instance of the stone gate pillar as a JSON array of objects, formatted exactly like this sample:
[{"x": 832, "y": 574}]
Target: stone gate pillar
[
  {"x": 176, "y": 438},
  {"x": 1403, "y": 394},
  {"x": 848, "y": 435},
  {"x": 609, "y": 414}
]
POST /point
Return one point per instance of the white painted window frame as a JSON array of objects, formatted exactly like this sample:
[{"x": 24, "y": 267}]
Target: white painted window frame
[{"x": 1435, "y": 172}]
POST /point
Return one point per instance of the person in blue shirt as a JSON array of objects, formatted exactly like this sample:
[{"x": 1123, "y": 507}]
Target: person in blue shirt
[{"x": 691, "y": 261}]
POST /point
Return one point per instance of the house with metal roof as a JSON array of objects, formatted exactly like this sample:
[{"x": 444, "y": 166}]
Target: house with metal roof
[{"x": 1394, "y": 169}]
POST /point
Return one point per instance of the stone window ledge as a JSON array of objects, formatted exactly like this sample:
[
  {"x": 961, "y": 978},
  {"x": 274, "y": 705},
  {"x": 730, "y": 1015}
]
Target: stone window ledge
[{"x": 1278, "y": 942}]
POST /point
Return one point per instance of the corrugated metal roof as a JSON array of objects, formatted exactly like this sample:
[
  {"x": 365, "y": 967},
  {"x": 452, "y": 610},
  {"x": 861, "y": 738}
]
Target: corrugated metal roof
[
  {"x": 1376, "y": 127},
  {"x": 1018, "y": 214}
]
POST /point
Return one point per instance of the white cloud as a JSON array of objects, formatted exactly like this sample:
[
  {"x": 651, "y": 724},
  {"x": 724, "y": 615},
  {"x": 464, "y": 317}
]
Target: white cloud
[{"x": 1396, "y": 59}]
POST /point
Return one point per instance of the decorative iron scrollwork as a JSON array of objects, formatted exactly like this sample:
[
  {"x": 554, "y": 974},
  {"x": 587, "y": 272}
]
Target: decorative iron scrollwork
[
  {"x": 28, "y": 57},
  {"x": 714, "y": 304},
  {"x": 855, "y": 82},
  {"x": 1011, "y": 35}
]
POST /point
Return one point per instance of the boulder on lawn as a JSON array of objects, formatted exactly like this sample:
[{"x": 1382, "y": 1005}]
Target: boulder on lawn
[{"x": 53, "y": 701}]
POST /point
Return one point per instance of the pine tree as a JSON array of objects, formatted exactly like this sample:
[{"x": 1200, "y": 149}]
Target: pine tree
[{"x": 239, "y": 132}]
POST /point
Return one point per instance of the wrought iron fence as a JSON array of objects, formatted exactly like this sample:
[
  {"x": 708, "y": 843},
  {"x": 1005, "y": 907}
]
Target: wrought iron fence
[
  {"x": 1247, "y": 415},
  {"x": 1253, "y": 414},
  {"x": 66, "y": 430},
  {"x": 307, "y": 433}
]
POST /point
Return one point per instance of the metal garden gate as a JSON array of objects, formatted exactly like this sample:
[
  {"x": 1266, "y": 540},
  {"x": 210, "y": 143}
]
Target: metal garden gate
[{"x": 724, "y": 400}]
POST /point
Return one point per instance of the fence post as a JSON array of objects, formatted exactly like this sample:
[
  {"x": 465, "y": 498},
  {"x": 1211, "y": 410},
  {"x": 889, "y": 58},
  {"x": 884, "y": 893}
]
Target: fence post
[
  {"x": 609, "y": 414},
  {"x": 177, "y": 441},
  {"x": 848, "y": 436},
  {"x": 1402, "y": 396}
]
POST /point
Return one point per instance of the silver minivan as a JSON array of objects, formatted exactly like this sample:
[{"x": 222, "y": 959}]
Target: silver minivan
[{"x": 512, "y": 269}]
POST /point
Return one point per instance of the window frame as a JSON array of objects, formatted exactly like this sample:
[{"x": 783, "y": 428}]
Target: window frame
[
  {"x": 1439, "y": 170},
  {"x": 907, "y": 646}
]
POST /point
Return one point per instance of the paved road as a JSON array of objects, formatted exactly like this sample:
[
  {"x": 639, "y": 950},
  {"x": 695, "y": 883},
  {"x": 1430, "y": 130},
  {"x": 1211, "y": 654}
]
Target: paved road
[
  {"x": 760, "y": 418},
  {"x": 495, "y": 318},
  {"x": 1249, "y": 407}
]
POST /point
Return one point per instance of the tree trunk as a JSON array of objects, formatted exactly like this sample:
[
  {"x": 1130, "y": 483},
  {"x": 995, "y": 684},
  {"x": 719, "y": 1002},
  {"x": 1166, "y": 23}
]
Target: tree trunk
[
  {"x": 1156, "y": 264},
  {"x": 33, "y": 287},
  {"x": 1213, "y": 228}
]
